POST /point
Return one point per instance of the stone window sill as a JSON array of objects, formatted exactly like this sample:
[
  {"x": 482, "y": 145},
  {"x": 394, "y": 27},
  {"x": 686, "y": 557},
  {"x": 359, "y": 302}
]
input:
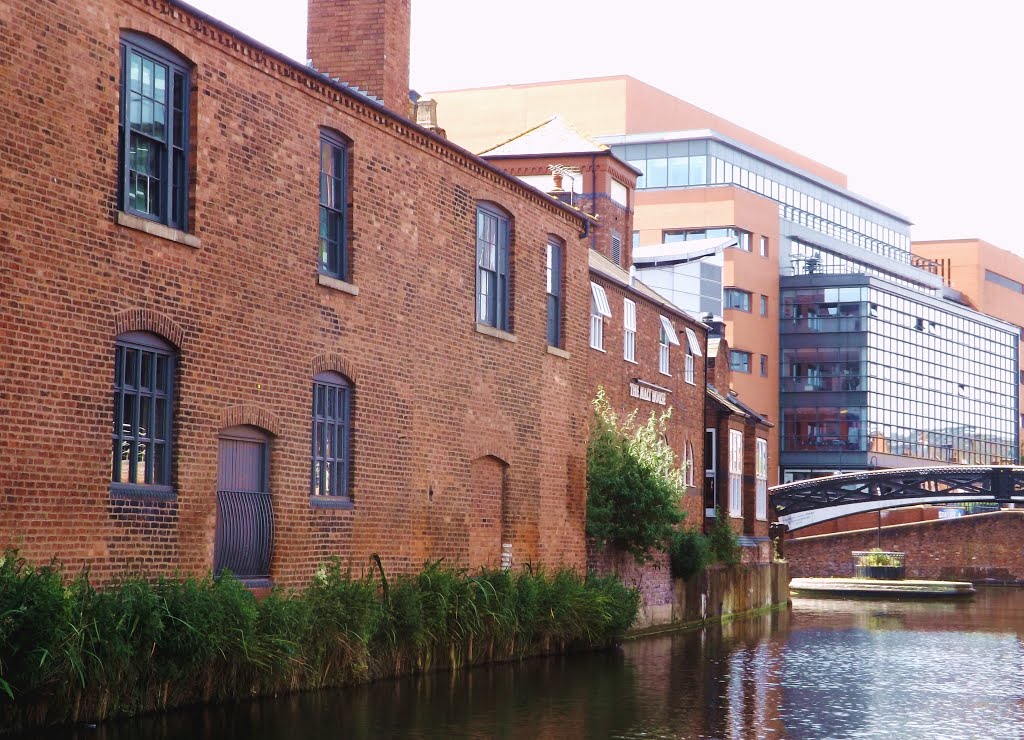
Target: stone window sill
[
  {"x": 335, "y": 284},
  {"x": 496, "y": 333},
  {"x": 558, "y": 352},
  {"x": 153, "y": 228},
  {"x": 330, "y": 502},
  {"x": 134, "y": 492}
]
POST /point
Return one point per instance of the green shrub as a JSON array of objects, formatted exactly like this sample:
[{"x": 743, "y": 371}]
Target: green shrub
[
  {"x": 725, "y": 544},
  {"x": 634, "y": 482},
  {"x": 137, "y": 645},
  {"x": 689, "y": 553},
  {"x": 878, "y": 558},
  {"x": 37, "y": 640}
]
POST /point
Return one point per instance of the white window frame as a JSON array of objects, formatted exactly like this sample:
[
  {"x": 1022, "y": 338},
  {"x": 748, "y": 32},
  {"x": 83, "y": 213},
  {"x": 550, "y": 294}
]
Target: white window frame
[
  {"x": 599, "y": 309},
  {"x": 710, "y": 468},
  {"x": 693, "y": 343},
  {"x": 761, "y": 475},
  {"x": 688, "y": 369},
  {"x": 628, "y": 330},
  {"x": 688, "y": 473},
  {"x": 735, "y": 473},
  {"x": 663, "y": 354}
]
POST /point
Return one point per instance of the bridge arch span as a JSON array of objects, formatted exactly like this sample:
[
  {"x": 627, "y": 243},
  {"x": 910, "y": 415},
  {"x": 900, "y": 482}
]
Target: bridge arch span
[{"x": 815, "y": 500}]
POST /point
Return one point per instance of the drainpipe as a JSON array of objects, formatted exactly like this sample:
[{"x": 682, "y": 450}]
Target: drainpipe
[
  {"x": 593, "y": 196},
  {"x": 704, "y": 416}
]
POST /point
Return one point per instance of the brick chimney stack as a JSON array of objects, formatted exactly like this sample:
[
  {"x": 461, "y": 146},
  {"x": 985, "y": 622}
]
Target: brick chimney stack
[{"x": 364, "y": 43}]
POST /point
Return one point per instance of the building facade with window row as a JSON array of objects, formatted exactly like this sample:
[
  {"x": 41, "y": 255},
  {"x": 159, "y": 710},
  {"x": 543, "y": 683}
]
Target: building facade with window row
[
  {"x": 801, "y": 236},
  {"x": 258, "y": 320}
]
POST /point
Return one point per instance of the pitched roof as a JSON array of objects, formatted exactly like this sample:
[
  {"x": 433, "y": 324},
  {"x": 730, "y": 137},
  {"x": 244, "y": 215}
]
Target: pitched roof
[
  {"x": 553, "y": 136},
  {"x": 735, "y": 406}
]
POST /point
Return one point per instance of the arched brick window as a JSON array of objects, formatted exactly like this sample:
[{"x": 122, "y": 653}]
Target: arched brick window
[
  {"x": 143, "y": 428},
  {"x": 332, "y": 439}
]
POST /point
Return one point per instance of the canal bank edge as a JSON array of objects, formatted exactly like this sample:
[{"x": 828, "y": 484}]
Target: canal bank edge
[{"x": 717, "y": 594}]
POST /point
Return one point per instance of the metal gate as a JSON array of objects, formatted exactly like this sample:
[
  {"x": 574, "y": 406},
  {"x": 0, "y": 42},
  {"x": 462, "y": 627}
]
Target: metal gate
[{"x": 245, "y": 517}]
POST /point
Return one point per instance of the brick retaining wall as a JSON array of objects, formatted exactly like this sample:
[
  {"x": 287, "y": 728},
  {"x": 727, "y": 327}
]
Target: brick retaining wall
[{"x": 982, "y": 547}]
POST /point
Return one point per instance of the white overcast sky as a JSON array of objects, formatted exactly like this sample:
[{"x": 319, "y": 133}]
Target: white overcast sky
[{"x": 919, "y": 102}]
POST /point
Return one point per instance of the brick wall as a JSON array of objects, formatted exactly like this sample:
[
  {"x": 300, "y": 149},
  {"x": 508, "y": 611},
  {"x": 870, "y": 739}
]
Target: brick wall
[
  {"x": 363, "y": 43},
  {"x": 609, "y": 369},
  {"x": 251, "y": 323},
  {"x": 975, "y": 548}
]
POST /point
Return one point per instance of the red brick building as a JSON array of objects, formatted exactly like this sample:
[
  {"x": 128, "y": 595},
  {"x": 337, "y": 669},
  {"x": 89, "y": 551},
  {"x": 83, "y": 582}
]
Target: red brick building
[
  {"x": 252, "y": 318},
  {"x": 735, "y": 454},
  {"x": 645, "y": 352}
]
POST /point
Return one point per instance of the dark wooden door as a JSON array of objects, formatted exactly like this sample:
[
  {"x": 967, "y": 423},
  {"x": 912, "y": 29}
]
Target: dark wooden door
[{"x": 245, "y": 518}]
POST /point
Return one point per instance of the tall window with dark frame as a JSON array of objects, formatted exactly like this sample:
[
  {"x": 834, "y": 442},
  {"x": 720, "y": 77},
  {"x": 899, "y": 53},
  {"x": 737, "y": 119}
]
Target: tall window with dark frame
[
  {"x": 143, "y": 410},
  {"x": 492, "y": 274},
  {"x": 333, "y": 208},
  {"x": 153, "y": 132},
  {"x": 332, "y": 436},
  {"x": 555, "y": 255}
]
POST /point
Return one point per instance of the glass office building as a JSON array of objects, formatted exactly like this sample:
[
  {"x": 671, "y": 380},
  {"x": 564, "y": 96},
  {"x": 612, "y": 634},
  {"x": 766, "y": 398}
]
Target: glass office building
[
  {"x": 882, "y": 365},
  {"x": 706, "y": 159},
  {"x": 874, "y": 373}
]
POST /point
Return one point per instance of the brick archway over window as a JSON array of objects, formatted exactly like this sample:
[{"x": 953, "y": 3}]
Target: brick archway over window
[
  {"x": 333, "y": 362},
  {"x": 250, "y": 415},
  {"x": 144, "y": 319}
]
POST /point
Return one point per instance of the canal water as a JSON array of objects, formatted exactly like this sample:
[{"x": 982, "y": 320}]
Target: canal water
[{"x": 824, "y": 669}]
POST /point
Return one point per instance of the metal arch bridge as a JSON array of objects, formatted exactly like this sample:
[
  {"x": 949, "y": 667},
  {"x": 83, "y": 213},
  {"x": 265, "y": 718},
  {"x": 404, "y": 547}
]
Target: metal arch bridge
[{"x": 803, "y": 503}]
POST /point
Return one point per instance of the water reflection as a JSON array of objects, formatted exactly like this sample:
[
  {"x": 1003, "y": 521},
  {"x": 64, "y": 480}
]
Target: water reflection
[{"x": 826, "y": 669}]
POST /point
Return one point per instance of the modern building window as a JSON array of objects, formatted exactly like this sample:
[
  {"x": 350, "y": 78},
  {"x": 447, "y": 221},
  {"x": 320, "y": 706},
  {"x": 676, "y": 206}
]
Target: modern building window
[
  {"x": 995, "y": 277},
  {"x": 689, "y": 235},
  {"x": 492, "y": 260},
  {"x": 735, "y": 473},
  {"x": 555, "y": 260},
  {"x": 738, "y": 299},
  {"x": 673, "y": 164},
  {"x": 599, "y": 311},
  {"x": 333, "y": 206},
  {"x": 764, "y": 366},
  {"x": 616, "y": 249},
  {"x": 636, "y": 239},
  {"x": 332, "y": 436},
  {"x": 739, "y": 361},
  {"x": 764, "y": 246},
  {"x": 628, "y": 330},
  {"x": 764, "y": 305},
  {"x": 143, "y": 410},
  {"x": 153, "y": 132},
  {"x": 761, "y": 479}
]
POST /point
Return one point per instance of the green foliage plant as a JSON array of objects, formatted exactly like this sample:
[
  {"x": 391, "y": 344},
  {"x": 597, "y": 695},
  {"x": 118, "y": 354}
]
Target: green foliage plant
[
  {"x": 723, "y": 540},
  {"x": 72, "y": 652},
  {"x": 634, "y": 482},
  {"x": 878, "y": 558},
  {"x": 689, "y": 553}
]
